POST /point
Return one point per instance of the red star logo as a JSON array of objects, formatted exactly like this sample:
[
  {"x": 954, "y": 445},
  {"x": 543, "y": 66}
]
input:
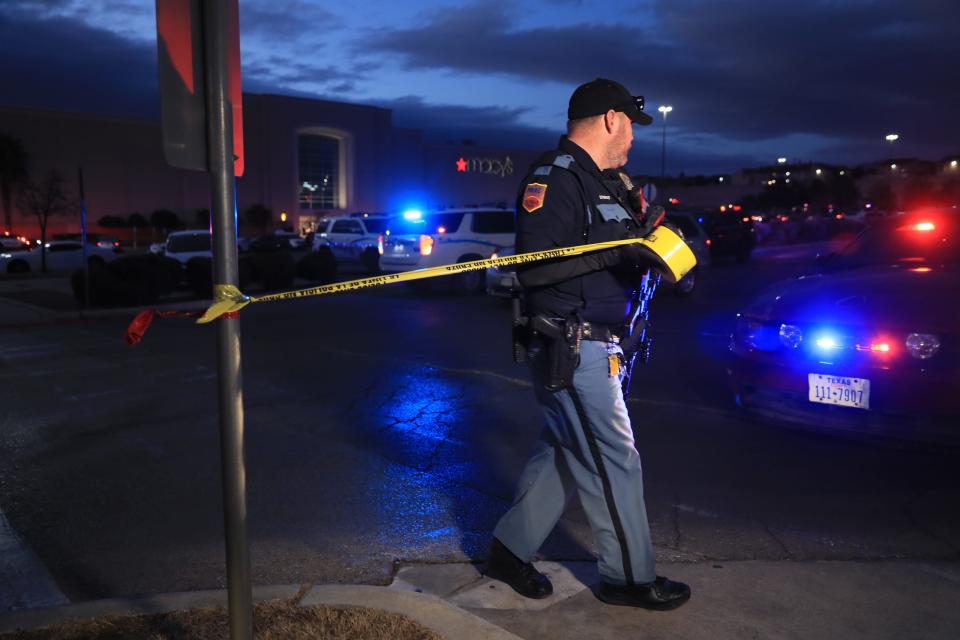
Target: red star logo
[{"x": 462, "y": 165}]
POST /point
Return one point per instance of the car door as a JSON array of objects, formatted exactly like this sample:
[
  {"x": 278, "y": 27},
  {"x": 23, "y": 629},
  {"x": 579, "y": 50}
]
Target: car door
[
  {"x": 64, "y": 255},
  {"x": 344, "y": 237}
]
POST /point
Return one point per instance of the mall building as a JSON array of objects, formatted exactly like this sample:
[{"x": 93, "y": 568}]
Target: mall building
[{"x": 303, "y": 159}]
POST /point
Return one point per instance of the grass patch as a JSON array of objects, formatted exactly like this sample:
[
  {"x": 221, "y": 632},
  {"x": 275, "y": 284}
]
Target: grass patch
[{"x": 275, "y": 620}]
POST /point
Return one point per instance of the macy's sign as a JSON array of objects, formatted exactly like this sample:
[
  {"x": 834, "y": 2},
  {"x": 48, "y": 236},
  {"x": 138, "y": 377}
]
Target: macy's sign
[{"x": 486, "y": 166}]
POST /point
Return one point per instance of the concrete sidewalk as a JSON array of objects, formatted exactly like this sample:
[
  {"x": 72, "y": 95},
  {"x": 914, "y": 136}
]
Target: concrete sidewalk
[{"x": 744, "y": 599}]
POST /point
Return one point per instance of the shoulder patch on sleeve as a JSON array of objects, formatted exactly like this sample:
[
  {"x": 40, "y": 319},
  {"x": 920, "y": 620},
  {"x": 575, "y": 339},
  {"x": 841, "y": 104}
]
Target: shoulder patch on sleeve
[
  {"x": 533, "y": 196},
  {"x": 563, "y": 161},
  {"x": 543, "y": 171}
]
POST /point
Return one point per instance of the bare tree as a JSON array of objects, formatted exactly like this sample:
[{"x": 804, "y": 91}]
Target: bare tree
[
  {"x": 43, "y": 199},
  {"x": 13, "y": 171}
]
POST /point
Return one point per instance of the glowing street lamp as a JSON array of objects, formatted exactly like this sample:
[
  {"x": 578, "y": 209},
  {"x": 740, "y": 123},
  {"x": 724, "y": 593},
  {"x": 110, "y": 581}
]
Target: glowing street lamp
[
  {"x": 891, "y": 138},
  {"x": 664, "y": 109}
]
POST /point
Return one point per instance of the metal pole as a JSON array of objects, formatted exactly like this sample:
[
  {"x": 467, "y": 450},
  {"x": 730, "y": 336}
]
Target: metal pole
[
  {"x": 663, "y": 149},
  {"x": 224, "y": 229},
  {"x": 83, "y": 239}
]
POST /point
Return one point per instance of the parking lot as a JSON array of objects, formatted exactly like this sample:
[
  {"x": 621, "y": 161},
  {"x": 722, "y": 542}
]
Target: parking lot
[{"x": 403, "y": 407}]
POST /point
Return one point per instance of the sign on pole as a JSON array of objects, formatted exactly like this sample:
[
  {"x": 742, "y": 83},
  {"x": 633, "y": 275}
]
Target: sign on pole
[{"x": 180, "y": 52}]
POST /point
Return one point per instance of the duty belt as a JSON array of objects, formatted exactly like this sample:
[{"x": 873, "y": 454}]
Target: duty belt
[
  {"x": 588, "y": 330},
  {"x": 599, "y": 332}
]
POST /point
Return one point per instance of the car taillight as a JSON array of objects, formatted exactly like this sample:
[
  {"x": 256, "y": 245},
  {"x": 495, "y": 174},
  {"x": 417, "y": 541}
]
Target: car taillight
[
  {"x": 426, "y": 245},
  {"x": 922, "y": 346},
  {"x": 380, "y": 244},
  {"x": 708, "y": 242},
  {"x": 879, "y": 347}
]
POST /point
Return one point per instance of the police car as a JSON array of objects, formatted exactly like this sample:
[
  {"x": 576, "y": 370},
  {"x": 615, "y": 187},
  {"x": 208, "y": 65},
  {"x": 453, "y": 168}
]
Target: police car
[
  {"x": 417, "y": 240},
  {"x": 353, "y": 240},
  {"x": 870, "y": 343}
]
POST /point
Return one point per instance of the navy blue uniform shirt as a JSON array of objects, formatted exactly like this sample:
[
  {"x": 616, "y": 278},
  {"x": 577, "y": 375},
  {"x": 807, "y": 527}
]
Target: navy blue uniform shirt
[{"x": 565, "y": 201}]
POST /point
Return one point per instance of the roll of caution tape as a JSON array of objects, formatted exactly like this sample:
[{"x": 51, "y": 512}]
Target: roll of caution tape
[{"x": 669, "y": 254}]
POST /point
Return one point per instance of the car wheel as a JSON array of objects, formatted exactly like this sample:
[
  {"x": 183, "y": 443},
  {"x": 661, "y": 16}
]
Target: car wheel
[
  {"x": 18, "y": 266},
  {"x": 687, "y": 284},
  {"x": 471, "y": 282}
]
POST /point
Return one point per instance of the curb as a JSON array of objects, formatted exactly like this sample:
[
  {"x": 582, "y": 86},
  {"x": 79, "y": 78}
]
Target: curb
[{"x": 429, "y": 611}]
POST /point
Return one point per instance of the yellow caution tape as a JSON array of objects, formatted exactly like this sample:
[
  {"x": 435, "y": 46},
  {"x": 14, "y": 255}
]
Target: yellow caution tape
[{"x": 668, "y": 252}]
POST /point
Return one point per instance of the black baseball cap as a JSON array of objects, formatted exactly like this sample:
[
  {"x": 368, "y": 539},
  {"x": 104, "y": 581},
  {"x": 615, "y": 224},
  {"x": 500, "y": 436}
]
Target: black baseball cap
[{"x": 601, "y": 95}]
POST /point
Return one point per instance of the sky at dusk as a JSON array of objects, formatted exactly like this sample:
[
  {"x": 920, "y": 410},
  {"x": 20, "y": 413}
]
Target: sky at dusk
[{"x": 748, "y": 80}]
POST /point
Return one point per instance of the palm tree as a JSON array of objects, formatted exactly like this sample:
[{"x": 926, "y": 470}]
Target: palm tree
[{"x": 13, "y": 171}]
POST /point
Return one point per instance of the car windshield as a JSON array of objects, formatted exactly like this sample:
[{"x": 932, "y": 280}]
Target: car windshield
[
  {"x": 189, "y": 243},
  {"x": 443, "y": 222},
  {"x": 375, "y": 225},
  {"x": 918, "y": 238}
]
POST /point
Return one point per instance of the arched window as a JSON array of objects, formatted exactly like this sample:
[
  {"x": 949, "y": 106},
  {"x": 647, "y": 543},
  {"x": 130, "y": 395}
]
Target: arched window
[{"x": 319, "y": 158}]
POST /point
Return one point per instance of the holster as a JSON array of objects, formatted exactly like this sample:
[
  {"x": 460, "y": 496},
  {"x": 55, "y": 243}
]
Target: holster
[{"x": 561, "y": 345}]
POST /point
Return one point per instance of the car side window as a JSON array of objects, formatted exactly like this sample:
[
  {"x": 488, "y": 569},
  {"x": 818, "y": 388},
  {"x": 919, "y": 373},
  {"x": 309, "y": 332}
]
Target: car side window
[
  {"x": 347, "y": 226},
  {"x": 493, "y": 222},
  {"x": 64, "y": 247}
]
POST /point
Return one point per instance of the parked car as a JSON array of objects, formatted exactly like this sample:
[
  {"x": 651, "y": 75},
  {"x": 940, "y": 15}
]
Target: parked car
[
  {"x": 183, "y": 245},
  {"x": 352, "y": 239},
  {"x": 295, "y": 240},
  {"x": 97, "y": 239},
  {"x": 732, "y": 234},
  {"x": 13, "y": 242},
  {"x": 62, "y": 255},
  {"x": 502, "y": 281},
  {"x": 871, "y": 343},
  {"x": 418, "y": 240}
]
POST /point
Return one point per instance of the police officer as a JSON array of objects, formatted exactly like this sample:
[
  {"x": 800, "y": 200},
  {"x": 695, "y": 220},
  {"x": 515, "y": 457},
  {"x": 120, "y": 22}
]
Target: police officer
[{"x": 582, "y": 305}]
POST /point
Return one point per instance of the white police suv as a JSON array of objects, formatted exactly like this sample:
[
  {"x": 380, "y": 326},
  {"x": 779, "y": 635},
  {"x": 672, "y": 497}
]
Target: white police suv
[{"x": 417, "y": 240}]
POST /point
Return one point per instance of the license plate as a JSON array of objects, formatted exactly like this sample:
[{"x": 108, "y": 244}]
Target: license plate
[
  {"x": 398, "y": 248},
  {"x": 840, "y": 391}
]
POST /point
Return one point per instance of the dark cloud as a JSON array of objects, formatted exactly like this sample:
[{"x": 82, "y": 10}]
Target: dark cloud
[
  {"x": 746, "y": 70},
  {"x": 281, "y": 71},
  {"x": 288, "y": 22},
  {"x": 490, "y": 126},
  {"x": 42, "y": 68}
]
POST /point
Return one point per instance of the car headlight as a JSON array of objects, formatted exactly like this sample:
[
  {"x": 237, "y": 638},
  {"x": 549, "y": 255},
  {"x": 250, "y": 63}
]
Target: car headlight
[
  {"x": 922, "y": 345},
  {"x": 791, "y": 335}
]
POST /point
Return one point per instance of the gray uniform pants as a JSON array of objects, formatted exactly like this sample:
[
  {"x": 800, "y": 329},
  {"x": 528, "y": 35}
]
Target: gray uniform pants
[{"x": 586, "y": 446}]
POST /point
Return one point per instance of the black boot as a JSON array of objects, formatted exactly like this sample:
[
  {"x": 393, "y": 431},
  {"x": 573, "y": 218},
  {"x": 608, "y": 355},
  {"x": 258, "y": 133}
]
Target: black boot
[
  {"x": 521, "y": 576},
  {"x": 660, "y": 595}
]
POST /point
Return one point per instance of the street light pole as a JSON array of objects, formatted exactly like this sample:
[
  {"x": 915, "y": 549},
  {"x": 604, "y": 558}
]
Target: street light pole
[
  {"x": 664, "y": 109},
  {"x": 894, "y": 195}
]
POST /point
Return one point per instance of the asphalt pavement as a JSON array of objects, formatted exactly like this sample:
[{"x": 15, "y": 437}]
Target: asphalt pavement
[{"x": 385, "y": 432}]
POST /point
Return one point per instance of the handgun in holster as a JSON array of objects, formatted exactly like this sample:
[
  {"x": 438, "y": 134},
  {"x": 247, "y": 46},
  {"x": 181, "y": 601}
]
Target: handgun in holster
[{"x": 561, "y": 345}]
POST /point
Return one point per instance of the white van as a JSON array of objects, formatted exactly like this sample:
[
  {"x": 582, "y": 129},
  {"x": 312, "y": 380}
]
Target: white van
[{"x": 418, "y": 240}]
